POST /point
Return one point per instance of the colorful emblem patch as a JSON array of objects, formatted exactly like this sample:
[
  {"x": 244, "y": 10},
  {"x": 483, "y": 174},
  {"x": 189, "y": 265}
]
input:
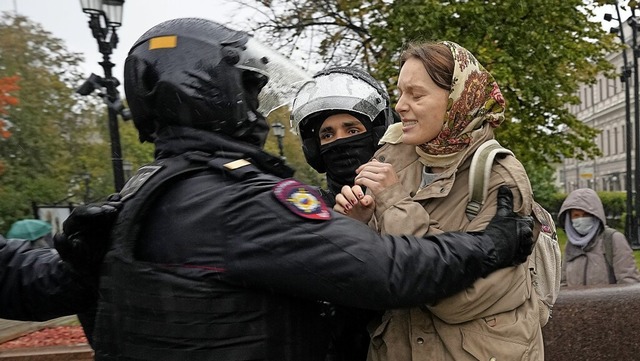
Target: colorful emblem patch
[{"x": 301, "y": 199}]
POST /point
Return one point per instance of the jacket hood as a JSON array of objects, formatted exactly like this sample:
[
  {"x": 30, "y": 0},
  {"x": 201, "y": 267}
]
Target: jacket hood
[{"x": 585, "y": 199}]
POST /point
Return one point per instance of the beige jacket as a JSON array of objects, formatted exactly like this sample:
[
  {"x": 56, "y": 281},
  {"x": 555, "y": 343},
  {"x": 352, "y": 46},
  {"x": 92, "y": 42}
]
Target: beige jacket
[{"x": 496, "y": 318}]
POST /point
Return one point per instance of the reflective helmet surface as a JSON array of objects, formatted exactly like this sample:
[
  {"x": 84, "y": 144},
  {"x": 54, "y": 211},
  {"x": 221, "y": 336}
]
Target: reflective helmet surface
[
  {"x": 195, "y": 73},
  {"x": 336, "y": 90}
]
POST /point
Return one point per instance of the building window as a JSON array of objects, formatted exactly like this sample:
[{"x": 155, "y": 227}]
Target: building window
[
  {"x": 600, "y": 141},
  {"x": 600, "y": 90},
  {"x": 585, "y": 98},
  {"x": 608, "y": 140},
  {"x": 615, "y": 140}
]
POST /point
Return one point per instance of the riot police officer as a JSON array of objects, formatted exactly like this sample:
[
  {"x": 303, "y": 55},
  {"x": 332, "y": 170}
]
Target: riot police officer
[
  {"x": 218, "y": 254},
  {"x": 362, "y": 111},
  {"x": 340, "y": 116}
]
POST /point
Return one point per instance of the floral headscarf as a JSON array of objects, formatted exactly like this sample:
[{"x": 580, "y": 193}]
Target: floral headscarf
[{"x": 475, "y": 100}]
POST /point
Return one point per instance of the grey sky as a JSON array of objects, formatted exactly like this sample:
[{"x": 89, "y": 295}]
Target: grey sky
[{"x": 65, "y": 20}]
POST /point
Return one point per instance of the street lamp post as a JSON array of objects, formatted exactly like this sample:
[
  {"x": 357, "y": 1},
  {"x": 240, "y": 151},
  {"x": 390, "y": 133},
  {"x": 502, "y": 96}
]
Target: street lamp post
[
  {"x": 633, "y": 23},
  {"x": 105, "y": 16},
  {"x": 278, "y": 131},
  {"x": 630, "y": 225},
  {"x": 127, "y": 167}
]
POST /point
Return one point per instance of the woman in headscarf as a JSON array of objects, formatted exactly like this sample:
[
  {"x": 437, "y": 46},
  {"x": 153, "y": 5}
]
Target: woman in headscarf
[
  {"x": 585, "y": 257},
  {"x": 449, "y": 106}
]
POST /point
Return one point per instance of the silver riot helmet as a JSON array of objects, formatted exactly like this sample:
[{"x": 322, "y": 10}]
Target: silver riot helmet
[
  {"x": 197, "y": 73},
  {"x": 336, "y": 90}
]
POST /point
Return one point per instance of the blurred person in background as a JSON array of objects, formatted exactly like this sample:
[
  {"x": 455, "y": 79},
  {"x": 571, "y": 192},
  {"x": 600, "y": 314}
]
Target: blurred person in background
[{"x": 595, "y": 254}]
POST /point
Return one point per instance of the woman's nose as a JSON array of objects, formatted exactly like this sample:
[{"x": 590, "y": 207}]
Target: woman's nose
[{"x": 401, "y": 105}]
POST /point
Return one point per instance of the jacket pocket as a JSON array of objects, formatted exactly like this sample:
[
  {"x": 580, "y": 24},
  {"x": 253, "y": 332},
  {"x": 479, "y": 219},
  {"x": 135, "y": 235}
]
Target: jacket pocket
[
  {"x": 500, "y": 349},
  {"x": 390, "y": 340},
  {"x": 377, "y": 334}
]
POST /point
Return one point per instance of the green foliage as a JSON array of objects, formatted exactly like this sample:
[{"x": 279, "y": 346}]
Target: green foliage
[
  {"x": 541, "y": 176},
  {"x": 539, "y": 51},
  {"x": 292, "y": 149},
  {"x": 539, "y": 69},
  {"x": 37, "y": 157},
  {"x": 58, "y": 151},
  {"x": 553, "y": 203}
]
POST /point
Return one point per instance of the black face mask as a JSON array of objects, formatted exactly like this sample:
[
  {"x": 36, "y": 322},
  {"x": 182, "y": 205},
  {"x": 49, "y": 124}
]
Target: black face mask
[{"x": 343, "y": 156}]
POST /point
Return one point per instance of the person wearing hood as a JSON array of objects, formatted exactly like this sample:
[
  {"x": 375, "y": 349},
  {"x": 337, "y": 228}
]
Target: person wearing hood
[
  {"x": 418, "y": 182},
  {"x": 36, "y": 231},
  {"x": 585, "y": 255}
]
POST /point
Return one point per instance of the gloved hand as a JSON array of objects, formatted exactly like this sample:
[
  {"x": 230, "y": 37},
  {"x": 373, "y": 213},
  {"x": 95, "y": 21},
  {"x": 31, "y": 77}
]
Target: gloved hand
[
  {"x": 511, "y": 234},
  {"x": 85, "y": 237}
]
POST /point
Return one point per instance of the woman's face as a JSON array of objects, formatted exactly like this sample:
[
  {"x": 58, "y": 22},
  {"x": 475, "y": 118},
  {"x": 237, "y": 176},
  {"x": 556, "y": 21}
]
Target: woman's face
[
  {"x": 422, "y": 104},
  {"x": 578, "y": 213}
]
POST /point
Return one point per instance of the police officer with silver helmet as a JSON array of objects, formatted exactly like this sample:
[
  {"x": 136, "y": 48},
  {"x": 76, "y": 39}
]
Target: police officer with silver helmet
[
  {"x": 340, "y": 115},
  {"x": 340, "y": 90},
  {"x": 216, "y": 254}
]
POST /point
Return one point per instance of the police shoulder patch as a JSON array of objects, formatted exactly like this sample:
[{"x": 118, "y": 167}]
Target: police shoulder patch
[{"x": 301, "y": 199}]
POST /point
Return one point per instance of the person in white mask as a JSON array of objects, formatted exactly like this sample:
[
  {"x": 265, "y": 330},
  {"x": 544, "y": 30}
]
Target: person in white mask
[{"x": 595, "y": 254}]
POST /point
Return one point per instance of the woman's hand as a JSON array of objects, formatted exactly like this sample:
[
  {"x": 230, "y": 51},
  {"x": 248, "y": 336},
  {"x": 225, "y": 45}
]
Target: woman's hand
[
  {"x": 376, "y": 176},
  {"x": 354, "y": 203}
]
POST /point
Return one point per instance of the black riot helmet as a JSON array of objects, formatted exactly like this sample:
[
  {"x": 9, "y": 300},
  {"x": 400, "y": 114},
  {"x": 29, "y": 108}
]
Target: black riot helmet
[
  {"x": 334, "y": 90},
  {"x": 199, "y": 74}
]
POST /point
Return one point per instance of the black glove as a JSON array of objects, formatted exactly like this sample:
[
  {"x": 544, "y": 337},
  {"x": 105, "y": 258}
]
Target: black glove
[
  {"x": 511, "y": 234},
  {"x": 85, "y": 237}
]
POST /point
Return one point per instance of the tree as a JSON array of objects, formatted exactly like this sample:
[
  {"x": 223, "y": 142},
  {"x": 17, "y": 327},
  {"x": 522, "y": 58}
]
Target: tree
[
  {"x": 7, "y": 85},
  {"x": 57, "y": 140},
  {"x": 292, "y": 151},
  {"x": 539, "y": 51}
]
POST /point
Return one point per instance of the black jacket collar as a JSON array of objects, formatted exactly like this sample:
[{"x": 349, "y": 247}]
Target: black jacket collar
[{"x": 172, "y": 141}]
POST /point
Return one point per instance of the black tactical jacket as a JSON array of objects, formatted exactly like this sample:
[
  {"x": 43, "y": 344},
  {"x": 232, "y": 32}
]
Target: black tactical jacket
[{"x": 35, "y": 285}]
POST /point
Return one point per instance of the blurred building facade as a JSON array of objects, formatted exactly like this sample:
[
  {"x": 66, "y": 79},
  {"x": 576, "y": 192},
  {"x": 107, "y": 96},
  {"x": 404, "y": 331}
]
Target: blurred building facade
[{"x": 602, "y": 107}]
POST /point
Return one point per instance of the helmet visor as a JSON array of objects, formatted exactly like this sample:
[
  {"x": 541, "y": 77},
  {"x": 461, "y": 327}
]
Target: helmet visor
[
  {"x": 285, "y": 77},
  {"x": 336, "y": 91}
]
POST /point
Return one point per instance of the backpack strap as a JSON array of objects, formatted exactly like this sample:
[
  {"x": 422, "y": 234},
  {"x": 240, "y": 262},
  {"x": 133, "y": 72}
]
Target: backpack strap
[
  {"x": 607, "y": 239},
  {"x": 479, "y": 173}
]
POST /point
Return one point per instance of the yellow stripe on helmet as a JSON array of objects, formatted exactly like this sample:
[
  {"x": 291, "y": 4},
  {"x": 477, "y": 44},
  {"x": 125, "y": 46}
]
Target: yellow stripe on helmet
[{"x": 163, "y": 42}]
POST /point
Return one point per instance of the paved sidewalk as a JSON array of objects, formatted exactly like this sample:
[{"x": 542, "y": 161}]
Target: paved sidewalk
[
  {"x": 54, "y": 353},
  {"x": 10, "y": 330}
]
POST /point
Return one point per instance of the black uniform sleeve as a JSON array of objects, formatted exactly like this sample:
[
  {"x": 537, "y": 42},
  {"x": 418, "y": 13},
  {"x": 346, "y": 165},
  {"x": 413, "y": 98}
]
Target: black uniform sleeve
[
  {"x": 35, "y": 285},
  {"x": 342, "y": 260}
]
